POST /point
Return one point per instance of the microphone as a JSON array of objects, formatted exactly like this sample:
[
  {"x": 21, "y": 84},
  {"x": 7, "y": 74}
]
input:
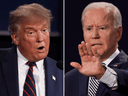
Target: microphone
[{"x": 59, "y": 64}]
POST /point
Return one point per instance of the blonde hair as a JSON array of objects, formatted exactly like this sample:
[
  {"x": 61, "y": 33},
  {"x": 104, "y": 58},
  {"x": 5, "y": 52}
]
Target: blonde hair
[{"x": 27, "y": 12}]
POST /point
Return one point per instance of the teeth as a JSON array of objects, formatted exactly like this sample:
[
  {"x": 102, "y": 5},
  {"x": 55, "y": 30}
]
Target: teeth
[{"x": 96, "y": 45}]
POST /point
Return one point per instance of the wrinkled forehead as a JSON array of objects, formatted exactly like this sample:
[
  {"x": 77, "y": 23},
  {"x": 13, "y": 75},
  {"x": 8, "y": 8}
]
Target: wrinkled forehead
[{"x": 98, "y": 15}]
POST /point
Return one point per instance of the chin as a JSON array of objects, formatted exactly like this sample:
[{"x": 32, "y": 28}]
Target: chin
[
  {"x": 99, "y": 52},
  {"x": 42, "y": 56}
]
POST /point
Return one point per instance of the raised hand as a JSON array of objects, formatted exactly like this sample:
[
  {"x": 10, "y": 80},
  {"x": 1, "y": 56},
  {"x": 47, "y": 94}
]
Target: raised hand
[{"x": 91, "y": 63}]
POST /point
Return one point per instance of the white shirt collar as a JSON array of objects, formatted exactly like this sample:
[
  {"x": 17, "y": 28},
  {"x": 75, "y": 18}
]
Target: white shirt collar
[
  {"x": 111, "y": 57},
  {"x": 23, "y": 61}
]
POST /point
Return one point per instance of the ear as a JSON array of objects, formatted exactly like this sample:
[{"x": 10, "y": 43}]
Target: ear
[
  {"x": 15, "y": 38},
  {"x": 119, "y": 33}
]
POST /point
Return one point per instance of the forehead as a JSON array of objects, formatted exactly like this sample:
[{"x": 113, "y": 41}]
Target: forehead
[
  {"x": 35, "y": 23},
  {"x": 98, "y": 16}
]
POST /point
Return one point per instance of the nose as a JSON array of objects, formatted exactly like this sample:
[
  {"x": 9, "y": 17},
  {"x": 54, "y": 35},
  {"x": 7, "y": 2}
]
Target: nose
[
  {"x": 40, "y": 37},
  {"x": 95, "y": 34}
]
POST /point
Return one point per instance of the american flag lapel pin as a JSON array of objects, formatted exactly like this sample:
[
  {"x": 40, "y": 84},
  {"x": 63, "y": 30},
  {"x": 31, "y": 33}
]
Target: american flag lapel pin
[
  {"x": 53, "y": 77},
  {"x": 115, "y": 65}
]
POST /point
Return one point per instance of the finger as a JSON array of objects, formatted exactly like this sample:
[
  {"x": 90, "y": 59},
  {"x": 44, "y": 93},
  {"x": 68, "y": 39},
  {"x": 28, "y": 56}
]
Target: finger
[
  {"x": 76, "y": 65},
  {"x": 89, "y": 50},
  {"x": 95, "y": 52},
  {"x": 84, "y": 48},
  {"x": 81, "y": 53},
  {"x": 96, "y": 55}
]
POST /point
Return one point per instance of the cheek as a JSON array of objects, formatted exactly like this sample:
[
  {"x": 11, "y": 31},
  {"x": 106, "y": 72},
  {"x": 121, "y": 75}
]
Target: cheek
[
  {"x": 29, "y": 44},
  {"x": 112, "y": 39},
  {"x": 47, "y": 41},
  {"x": 87, "y": 37},
  {"x": 109, "y": 42},
  {"x": 84, "y": 36}
]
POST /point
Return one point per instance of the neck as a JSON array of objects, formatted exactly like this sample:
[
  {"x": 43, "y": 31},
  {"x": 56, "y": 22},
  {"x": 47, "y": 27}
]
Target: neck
[{"x": 107, "y": 55}]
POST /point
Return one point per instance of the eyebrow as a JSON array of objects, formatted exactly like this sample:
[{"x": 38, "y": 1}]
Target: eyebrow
[
  {"x": 31, "y": 28},
  {"x": 89, "y": 26},
  {"x": 103, "y": 25},
  {"x": 97, "y": 26}
]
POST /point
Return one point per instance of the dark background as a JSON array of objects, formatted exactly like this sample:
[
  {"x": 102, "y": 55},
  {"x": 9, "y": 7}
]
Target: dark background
[
  {"x": 74, "y": 33},
  {"x": 73, "y": 28},
  {"x": 56, "y": 46}
]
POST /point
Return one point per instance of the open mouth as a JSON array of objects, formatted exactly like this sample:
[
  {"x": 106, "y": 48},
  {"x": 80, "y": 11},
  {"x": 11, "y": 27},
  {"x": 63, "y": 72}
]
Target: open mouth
[{"x": 40, "y": 47}]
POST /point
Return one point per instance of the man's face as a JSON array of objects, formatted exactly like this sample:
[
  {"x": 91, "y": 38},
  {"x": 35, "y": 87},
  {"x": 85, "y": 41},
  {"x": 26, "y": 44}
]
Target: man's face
[
  {"x": 33, "y": 40},
  {"x": 99, "y": 32}
]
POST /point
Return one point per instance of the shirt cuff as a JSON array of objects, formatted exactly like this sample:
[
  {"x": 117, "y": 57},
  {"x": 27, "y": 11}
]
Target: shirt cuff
[{"x": 110, "y": 78}]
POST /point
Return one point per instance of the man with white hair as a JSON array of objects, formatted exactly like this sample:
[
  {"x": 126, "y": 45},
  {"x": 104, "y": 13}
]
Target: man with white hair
[{"x": 103, "y": 69}]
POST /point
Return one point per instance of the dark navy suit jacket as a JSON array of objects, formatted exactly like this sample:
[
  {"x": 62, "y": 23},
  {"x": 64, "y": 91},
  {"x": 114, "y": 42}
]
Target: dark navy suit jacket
[
  {"x": 77, "y": 84},
  {"x": 9, "y": 75}
]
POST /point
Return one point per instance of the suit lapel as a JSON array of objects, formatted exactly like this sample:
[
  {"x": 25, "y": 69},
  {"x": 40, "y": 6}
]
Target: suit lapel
[
  {"x": 51, "y": 77},
  {"x": 118, "y": 60},
  {"x": 101, "y": 89},
  {"x": 10, "y": 70}
]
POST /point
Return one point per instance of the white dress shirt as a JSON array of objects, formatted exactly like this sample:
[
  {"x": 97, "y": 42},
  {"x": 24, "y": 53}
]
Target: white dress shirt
[
  {"x": 110, "y": 76},
  {"x": 38, "y": 72}
]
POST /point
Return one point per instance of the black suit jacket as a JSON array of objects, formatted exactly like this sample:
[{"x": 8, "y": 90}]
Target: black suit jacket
[
  {"x": 9, "y": 85},
  {"x": 77, "y": 83}
]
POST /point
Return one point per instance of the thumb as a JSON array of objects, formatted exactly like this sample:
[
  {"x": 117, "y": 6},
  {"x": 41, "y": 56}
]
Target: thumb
[{"x": 76, "y": 65}]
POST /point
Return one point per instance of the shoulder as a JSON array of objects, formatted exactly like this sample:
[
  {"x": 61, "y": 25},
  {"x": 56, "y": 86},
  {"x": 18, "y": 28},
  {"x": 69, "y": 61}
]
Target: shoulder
[
  {"x": 72, "y": 74},
  {"x": 123, "y": 58},
  {"x": 8, "y": 53},
  {"x": 50, "y": 60},
  {"x": 3, "y": 51},
  {"x": 51, "y": 64}
]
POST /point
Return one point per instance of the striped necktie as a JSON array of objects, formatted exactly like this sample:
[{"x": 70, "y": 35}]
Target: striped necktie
[
  {"x": 29, "y": 86},
  {"x": 93, "y": 86}
]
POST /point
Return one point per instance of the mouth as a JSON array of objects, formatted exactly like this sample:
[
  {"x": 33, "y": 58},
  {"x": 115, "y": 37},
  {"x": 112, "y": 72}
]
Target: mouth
[
  {"x": 96, "y": 44},
  {"x": 40, "y": 48}
]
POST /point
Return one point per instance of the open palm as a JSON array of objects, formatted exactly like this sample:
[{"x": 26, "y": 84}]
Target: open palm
[{"x": 91, "y": 64}]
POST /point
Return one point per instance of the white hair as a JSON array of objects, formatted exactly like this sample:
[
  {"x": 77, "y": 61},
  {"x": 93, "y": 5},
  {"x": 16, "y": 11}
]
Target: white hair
[{"x": 108, "y": 8}]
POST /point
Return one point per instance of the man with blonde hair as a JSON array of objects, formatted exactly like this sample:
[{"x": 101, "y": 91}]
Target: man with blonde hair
[
  {"x": 103, "y": 68},
  {"x": 25, "y": 69}
]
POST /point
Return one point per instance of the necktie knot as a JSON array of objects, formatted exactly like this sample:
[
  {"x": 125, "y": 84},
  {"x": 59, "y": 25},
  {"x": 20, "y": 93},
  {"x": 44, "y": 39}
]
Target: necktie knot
[{"x": 31, "y": 64}]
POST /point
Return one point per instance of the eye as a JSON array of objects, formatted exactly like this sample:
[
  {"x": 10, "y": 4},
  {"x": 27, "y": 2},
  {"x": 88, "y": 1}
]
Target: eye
[
  {"x": 44, "y": 30},
  {"x": 30, "y": 33},
  {"x": 89, "y": 29},
  {"x": 102, "y": 28}
]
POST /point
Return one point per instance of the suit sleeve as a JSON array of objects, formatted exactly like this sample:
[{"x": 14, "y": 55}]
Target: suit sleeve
[
  {"x": 122, "y": 78},
  {"x": 110, "y": 78}
]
